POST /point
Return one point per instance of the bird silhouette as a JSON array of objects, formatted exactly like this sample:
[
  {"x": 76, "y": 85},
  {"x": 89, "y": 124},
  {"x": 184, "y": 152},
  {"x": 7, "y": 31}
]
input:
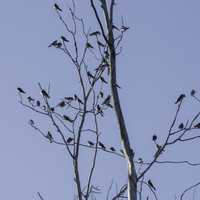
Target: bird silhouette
[
  {"x": 68, "y": 118},
  {"x": 124, "y": 28},
  {"x": 88, "y": 45},
  {"x": 64, "y": 39},
  {"x": 45, "y": 94},
  {"x": 112, "y": 149},
  {"x": 181, "y": 126},
  {"x": 102, "y": 145},
  {"x": 57, "y": 7},
  {"x": 20, "y": 90},
  {"x": 90, "y": 143},
  {"x": 38, "y": 103},
  {"x": 61, "y": 104},
  {"x": 30, "y": 99},
  {"x": 154, "y": 138},
  {"x": 180, "y": 98},
  {"x": 193, "y": 92},
  {"x": 69, "y": 140},
  {"x": 151, "y": 184},
  {"x": 54, "y": 43},
  {"x": 49, "y": 136}
]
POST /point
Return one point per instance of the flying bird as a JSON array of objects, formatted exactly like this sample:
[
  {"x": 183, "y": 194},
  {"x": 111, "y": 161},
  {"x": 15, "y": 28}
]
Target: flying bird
[
  {"x": 57, "y": 7},
  {"x": 45, "y": 94},
  {"x": 151, "y": 185},
  {"x": 180, "y": 98},
  {"x": 20, "y": 90}
]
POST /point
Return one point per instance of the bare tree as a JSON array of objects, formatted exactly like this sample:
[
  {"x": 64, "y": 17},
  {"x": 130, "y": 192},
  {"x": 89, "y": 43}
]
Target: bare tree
[{"x": 68, "y": 117}]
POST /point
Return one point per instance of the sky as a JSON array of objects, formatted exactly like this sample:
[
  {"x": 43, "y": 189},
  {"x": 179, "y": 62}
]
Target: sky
[{"x": 159, "y": 61}]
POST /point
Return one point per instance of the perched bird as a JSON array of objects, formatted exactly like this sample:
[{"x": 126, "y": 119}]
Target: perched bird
[
  {"x": 88, "y": 45},
  {"x": 45, "y": 94},
  {"x": 54, "y": 43},
  {"x": 49, "y": 136},
  {"x": 69, "y": 98},
  {"x": 112, "y": 149},
  {"x": 124, "y": 28},
  {"x": 154, "y": 138},
  {"x": 69, "y": 140},
  {"x": 30, "y": 99},
  {"x": 151, "y": 184},
  {"x": 61, "y": 104},
  {"x": 193, "y": 92},
  {"x": 57, "y": 7},
  {"x": 59, "y": 44},
  {"x": 38, "y": 103},
  {"x": 90, "y": 143},
  {"x": 197, "y": 125},
  {"x": 68, "y": 118},
  {"x": 20, "y": 90},
  {"x": 180, "y": 98},
  {"x": 103, "y": 80},
  {"x": 95, "y": 33},
  {"x": 64, "y": 39},
  {"x": 52, "y": 109},
  {"x": 31, "y": 122},
  {"x": 181, "y": 126},
  {"x": 102, "y": 145},
  {"x": 99, "y": 110}
]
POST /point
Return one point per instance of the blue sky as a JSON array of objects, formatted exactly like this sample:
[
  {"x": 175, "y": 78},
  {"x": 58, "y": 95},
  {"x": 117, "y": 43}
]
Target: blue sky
[{"x": 160, "y": 60}]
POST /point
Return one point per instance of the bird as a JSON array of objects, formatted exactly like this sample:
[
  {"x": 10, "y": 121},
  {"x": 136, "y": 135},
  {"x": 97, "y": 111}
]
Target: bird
[
  {"x": 52, "y": 109},
  {"x": 90, "y": 143},
  {"x": 192, "y": 93},
  {"x": 124, "y": 28},
  {"x": 49, "y": 136},
  {"x": 181, "y": 126},
  {"x": 69, "y": 140},
  {"x": 101, "y": 94},
  {"x": 88, "y": 45},
  {"x": 30, "y": 99},
  {"x": 59, "y": 44},
  {"x": 99, "y": 110},
  {"x": 69, "y": 98},
  {"x": 95, "y": 33},
  {"x": 180, "y": 98},
  {"x": 154, "y": 138},
  {"x": 57, "y": 7},
  {"x": 31, "y": 122},
  {"x": 54, "y": 43},
  {"x": 20, "y": 90},
  {"x": 102, "y": 145},
  {"x": 61, "y": 104},
  {"x": 45, "y": 94},
  {"x": 38, "y": 103},
  {"x": 68, "y": 118},
  {"x": 112, "y": 149},
  {"x": 64, "y": 38},
  {"x": 197, "y": 125},
  {"x": 151, "y": 184}
]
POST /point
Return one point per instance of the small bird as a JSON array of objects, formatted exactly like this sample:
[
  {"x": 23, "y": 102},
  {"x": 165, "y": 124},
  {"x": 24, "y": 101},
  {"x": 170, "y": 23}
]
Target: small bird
[
  {"x": 20, "y": 90},
  {"x": 112, "y": 149},
  {"x": 88, "y": 45},
  {"x": 95, "y": 33},
  {"x": 54, "y": 43},
  {"x": 197, "y": 125},
  {"x": 38, "y": 103},
  {"x": 193, "y": 92},
  {"x": 61, "y": 104},
  {"x": 102, "y": 145},
  {"x": 151, "y": 184},
  {"x": 180, "y": 98},
  {"x": 30, "y": 99},
  {"x": 45, "y": 94},
  {"x": 103, "y": 80},
  {"x": 57, "y": 7},
  {"x": 90, "y": 143},
  {"x": 49, "y": 136},
  {"x": 64, "y": 39},
  {"x": 154, "y": 138},
  {"x": 101, "y": 94},
  {"x": 68, "y": 118},
  {"x": 52, "y": 109},
  {"x": 181, "y": 126},
  {"x": 69, "y": 140},
  {"x": 69, "y": 98},
  {"x": 31, "y": 122},
  {"x": 59, "y": 44}
]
